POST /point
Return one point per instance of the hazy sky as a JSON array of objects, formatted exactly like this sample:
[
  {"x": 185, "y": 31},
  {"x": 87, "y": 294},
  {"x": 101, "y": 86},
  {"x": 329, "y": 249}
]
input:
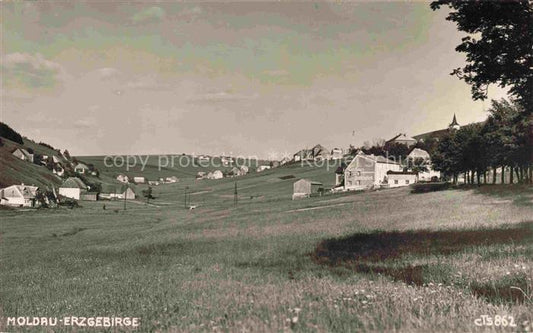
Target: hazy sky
[{"x": 242, "y": 78}]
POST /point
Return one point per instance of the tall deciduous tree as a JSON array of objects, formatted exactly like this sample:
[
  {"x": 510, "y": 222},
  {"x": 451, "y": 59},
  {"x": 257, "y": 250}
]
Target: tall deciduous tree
[{"x": 498, "y": 45}]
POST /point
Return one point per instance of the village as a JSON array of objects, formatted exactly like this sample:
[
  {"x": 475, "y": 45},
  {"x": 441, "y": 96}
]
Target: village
[
  {"x": 280, "y": 166},
  {"x": 354, "y": 171}
]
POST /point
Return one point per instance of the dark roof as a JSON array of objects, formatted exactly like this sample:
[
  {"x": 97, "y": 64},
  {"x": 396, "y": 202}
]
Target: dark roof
[
  {"x": 405, "y": 137},
  {"x": 73, "y": 182},
  {"x": 114, "y": 188},
  {"x": 310, "y": 181}
]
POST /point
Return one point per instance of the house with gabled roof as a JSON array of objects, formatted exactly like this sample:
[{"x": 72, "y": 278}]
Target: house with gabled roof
[
  {"x": 18, "y": 195},
  {"x": 368, "y": 171},
  {"x": 72, "y": 188},
  {"x": 117, "y": 191},
  {"x": 81, "y": 168},
  {"x": 23, "y": 154},
  {"x": 403, "y": 139}
]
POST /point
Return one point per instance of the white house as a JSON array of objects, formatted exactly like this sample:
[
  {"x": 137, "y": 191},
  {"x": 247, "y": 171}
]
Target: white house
[
  {"x": 139, "y": 180},
  {"x": 172, "y": 179},
  {"x": 401, "y": 178},
  {"x": 18, "y": 195},
  {"x": 58, "y": 170},
  {"x": 123, "y": 179},
  {"x": 262, "y": 168},
  {"x": 217, "y": 174},
  {"x": 117, "y": 192},
  {"x": 72, "y": 188},
  {"x": 81, "y": 168},
  {"x": 284, "y": 160},
  {"x": 57, "y": 159},
  {"x": 23, "y": 154},
  {"x": 367, "y": 171},
  {"x": 201, "y": 175},
  {"x": 417, "y": 154},
  {"x": 337, "y": 153}
]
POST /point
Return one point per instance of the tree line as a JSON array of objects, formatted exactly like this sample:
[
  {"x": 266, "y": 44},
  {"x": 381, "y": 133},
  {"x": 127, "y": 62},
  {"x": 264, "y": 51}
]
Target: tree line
[{"x": 499, "y": 143}]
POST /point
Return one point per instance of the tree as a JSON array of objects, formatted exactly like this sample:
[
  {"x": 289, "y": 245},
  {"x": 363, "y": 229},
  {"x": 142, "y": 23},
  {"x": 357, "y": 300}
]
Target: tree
[
  {"x": 10, "y": 134},
  {"x": 397, "y": 150},
  {"x": 447, "y": 158},
  {"x": 148, "y": 194},
  {"x": 498, "y": 47},
  {"x": 507, "y": 134}
]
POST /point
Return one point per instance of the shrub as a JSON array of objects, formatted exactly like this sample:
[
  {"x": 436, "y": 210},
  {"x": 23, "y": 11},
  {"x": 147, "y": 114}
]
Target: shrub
[{"x": 429, "y": 187}]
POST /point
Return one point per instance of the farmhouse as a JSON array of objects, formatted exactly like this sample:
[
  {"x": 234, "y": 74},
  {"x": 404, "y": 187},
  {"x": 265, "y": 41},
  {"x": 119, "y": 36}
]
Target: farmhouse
[
  {"x": 367, "y": 171},
  {"x": 235, "y": 172},
  {"x": 401, "y": 178},
  {"x": 23, "y": 154},
  {"x": 304, "y": 188},
  {"x": 429, "y": 173},
  {"x": 244, "y": 170},
  {"x": 18, "y": 196},
  {"x": 58, "y": 170},
  {"x": 403, "y": 139},
  {"x": 262, "y": 168},
  {"x": 418, "y": 153},
  {"x": 284, "y": 160},
  {"x": 217, "y": 174},
  {"x": 123, "y": 178},
  {"x": 337, "y": 153},
  {"x": 117, "y": 192},
  {"x": 172, "y": 179},
  {"x": 303, "y": 155},
  {"x": 81, "y": 168},
  {"x": 139, "y": 180},
  {"x": 72, "y": 188},
  {"x": 201, "y": 175},
  {"x": 57, "y": 159}
]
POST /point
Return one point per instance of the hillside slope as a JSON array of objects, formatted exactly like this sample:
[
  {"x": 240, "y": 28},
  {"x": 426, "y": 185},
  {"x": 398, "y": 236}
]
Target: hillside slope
[{"x": 16, "y": 171}]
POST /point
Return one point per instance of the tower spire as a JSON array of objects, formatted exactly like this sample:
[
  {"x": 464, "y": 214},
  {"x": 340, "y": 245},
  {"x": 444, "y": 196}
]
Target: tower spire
[{"x": 454, "y": 123}]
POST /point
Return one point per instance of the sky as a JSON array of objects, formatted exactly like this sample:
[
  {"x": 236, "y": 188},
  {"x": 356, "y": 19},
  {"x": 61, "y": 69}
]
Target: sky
[{"x": 249, "y": 78}]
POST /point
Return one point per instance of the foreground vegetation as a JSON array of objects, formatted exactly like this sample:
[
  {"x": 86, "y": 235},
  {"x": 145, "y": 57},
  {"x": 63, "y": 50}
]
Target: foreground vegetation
[{"x": 378, "y": 261}]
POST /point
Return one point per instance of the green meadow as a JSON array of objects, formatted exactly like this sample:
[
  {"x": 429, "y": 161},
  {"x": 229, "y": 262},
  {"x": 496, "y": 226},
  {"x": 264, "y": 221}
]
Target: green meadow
[{"x": 386, "y": 261}]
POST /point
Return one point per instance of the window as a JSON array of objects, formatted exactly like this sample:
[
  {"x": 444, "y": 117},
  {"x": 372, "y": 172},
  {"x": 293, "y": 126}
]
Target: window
[
  {"x": 407, "y": 181},
  {"x": 396, "y": 181},
  {"x": 359, "y": 173},
  {"x": 358, "y": 182}
]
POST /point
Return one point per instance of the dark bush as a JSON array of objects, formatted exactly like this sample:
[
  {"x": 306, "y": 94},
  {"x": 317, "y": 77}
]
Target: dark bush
[{"x": 429, "y": 187}]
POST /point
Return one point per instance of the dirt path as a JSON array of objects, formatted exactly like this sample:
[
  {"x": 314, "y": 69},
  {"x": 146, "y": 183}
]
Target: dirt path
[{"x": 317, "y": 207}]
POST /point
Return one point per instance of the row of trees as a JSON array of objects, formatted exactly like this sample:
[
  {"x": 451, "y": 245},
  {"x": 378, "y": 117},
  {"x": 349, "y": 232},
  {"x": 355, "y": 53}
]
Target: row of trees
[{"x": 500, "y": 143}]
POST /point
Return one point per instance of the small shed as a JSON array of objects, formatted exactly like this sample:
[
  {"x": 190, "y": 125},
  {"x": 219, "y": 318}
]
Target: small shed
[{"x": 305, "y": 188}]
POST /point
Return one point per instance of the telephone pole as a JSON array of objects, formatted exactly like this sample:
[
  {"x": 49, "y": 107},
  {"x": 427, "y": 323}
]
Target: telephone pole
[
  {"x": 185, "y": 197},
  {"x": 235, "y": 196}
]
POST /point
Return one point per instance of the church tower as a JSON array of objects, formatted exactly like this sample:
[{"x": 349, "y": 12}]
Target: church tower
[{"x": 454, "y": 125}]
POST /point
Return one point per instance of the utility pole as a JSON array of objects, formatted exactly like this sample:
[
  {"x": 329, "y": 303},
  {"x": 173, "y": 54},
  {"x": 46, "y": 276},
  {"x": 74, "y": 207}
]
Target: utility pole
[
  {"x": 235, "y": 195},
  {"x": 185, "y": 197},
  {"x": 125, "y": 194}
]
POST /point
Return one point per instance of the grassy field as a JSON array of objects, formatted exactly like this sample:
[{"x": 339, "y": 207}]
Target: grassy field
[{"x": 377, "y": 261}]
